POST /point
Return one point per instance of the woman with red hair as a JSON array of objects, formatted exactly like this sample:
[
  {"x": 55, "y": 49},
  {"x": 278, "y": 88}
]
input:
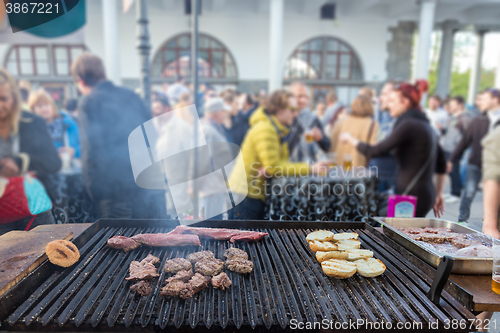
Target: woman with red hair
[{"x": 415, "y": 146}]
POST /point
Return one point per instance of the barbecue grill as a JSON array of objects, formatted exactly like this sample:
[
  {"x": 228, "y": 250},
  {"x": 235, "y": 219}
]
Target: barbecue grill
[{"x": 286, "y": 287}]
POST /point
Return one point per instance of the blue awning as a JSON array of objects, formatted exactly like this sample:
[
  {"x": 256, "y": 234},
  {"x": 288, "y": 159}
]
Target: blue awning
[{"x": 65, "y": 17}]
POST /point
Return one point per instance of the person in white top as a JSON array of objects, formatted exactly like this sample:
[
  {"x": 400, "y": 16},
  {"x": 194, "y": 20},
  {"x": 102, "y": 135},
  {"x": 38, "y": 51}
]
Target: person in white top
[
  {"x": 214, "y": 198},
  {"x": 437, "y": 116}
]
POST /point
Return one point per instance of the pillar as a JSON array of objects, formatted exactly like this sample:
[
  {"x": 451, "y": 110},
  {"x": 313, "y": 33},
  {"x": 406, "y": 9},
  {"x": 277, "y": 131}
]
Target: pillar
[
  {"x": 111, "y": 43},
  {"x": 426, "y": 25},
  {"x": 276, "y": 44},
  {"x": 143, "y": 47},
  {"x": 446, "y": 58},
  {"x": 497, "y": 74},
  {"x": 399, "y": 48},
  {"x": 475, "y": 72}
]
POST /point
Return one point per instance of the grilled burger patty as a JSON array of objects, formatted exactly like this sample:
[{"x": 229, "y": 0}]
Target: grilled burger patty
[
  {"x": 174, "y": 288},
  {"x": 177, "y": 264},
  {"x": 239, "y": 265},
  {"x": 197, "y": 283},
  {"x": 209, "y": 267},
  {"x": 221, "y": 281},
  {"x": 183, "y": 276},
  {"x": 233, "y": 253},
  {"x": 199, "y": 256}
]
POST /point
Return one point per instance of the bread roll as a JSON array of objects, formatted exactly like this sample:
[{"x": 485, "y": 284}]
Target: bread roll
[
  {"x": 322, "y": 246},
  {"x": 346, "y": 244},
  {"x": 320, "y": 235},
  {"x": 322, "y": 256},
  {"x": 370, "y": 267},
  {"x": 340, "y": 269},
  {"x": 356, "y": 254},
  {"x": 344, "y": 236},
  {"x": 62, "y": 253}
]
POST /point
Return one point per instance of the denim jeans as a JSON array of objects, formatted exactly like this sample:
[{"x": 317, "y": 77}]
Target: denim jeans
[
  {"x": 456, "y": 180},
  {"x": 472, "y": 180}
]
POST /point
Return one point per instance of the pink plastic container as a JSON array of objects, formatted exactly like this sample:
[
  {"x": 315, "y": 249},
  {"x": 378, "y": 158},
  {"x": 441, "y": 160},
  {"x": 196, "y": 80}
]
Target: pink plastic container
[{"x": 401, "y": 206}]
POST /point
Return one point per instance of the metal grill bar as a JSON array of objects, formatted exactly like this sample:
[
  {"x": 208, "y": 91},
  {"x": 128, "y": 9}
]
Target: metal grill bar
[
  {"x": 308, "y": 277},
  {"x": 336, "y": 289},
  {"x": 410, "y": 288},
  {"x": 287, "y": 283},
  {"x": 451, "y": 305},
  {"x": 295, "y": 276}
]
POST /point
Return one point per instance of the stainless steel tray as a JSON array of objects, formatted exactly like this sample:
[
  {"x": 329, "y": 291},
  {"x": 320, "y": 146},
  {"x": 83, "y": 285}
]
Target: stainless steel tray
[{"x": 463, "y": 265}]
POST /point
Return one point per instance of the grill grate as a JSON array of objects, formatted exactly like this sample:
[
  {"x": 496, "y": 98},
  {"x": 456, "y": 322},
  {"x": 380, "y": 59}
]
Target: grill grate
[{"x": 287, "y": 283}]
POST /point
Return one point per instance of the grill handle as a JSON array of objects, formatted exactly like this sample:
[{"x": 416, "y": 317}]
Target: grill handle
[{"x": 442, "y": 274}]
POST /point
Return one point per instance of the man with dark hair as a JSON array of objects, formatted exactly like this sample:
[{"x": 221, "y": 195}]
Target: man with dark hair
[
  {"x": 455, "y": 130},
  {"x": 489, "y": 102},
  {"x": 71, "y": 107},
  {"x": 437, "y": 116},
  {"x": 240, "y": 123},
  {"x": 159, "y": 106},
  {"x": 108, "y": 114}
]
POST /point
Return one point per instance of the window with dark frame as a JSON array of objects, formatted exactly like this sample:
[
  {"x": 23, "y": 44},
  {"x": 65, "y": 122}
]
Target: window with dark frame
[
  {"x": 42, "y": 60},
  {"x": 174, "y": 58},
  {"x": 323, "y": 58}
]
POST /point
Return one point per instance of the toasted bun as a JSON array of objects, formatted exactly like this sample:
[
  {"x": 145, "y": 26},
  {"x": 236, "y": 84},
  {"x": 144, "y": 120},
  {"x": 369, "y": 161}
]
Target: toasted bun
[
  {"x": 356, "y": 254},
  {"x": 344, "y": 236},
  {"x": 320, "y": 235},
  {"x": 340, "y": 269},
  {"x": 322, "y": 256},
  {"x": 322, "y": 246},
  {"x": 346, "y": 244},
  {"x": 370, "y": 267},
  {"x": 62, "y": 253}
]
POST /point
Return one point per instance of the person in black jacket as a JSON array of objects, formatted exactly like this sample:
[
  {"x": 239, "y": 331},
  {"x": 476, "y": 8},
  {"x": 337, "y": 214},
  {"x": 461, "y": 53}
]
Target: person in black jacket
[
  {"x": 240, "y": 123},
  {"x": 412, "y": 139},
  {"x": 489, "y": 103},
  {"x": 25, "y": 145},
  {"x": 107, "y": 115}
]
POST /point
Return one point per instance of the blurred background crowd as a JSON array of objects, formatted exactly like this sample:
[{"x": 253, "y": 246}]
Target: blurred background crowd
[
  {"x": 388, "y": 130},
  {"x": 314, "y": 86}
]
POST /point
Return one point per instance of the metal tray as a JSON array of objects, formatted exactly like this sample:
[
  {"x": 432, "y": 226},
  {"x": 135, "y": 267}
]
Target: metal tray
[{"x": 463, "y": 265}]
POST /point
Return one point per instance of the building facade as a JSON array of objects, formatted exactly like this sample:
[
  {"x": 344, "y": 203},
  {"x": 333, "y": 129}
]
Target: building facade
[{"x": 339, "y": 45}]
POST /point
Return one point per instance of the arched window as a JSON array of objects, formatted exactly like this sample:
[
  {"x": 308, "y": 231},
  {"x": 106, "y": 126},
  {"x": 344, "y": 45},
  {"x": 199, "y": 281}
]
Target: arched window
[
  {"x": 324, "y": 59},
  {"x": 214, "y": 59},
  {"x": 35, "y": 60}
]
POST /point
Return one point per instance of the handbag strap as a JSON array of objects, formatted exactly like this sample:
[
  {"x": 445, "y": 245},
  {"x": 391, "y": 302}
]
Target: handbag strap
[
  {"x": 280, "y": 133},
  {"x": 420, "y": 172},
  {"x": 30, "y": 223}
]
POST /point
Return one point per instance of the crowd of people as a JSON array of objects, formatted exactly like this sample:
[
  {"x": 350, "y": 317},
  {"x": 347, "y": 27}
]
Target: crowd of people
[{"x": 413, "y": 148}]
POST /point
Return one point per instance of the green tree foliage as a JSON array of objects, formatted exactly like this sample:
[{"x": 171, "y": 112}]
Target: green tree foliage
[{"x": 460, "y": 81}]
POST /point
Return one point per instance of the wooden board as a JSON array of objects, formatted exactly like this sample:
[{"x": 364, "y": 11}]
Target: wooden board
[
  {"x": 23, "y": 251},
  {"x": 480, "y": 287}
]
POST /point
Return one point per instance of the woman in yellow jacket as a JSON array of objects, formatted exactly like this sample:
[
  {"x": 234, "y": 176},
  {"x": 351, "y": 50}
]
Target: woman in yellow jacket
[
  {"x": 264, "y": 152},
  {"x": 361, "y": 125}
]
